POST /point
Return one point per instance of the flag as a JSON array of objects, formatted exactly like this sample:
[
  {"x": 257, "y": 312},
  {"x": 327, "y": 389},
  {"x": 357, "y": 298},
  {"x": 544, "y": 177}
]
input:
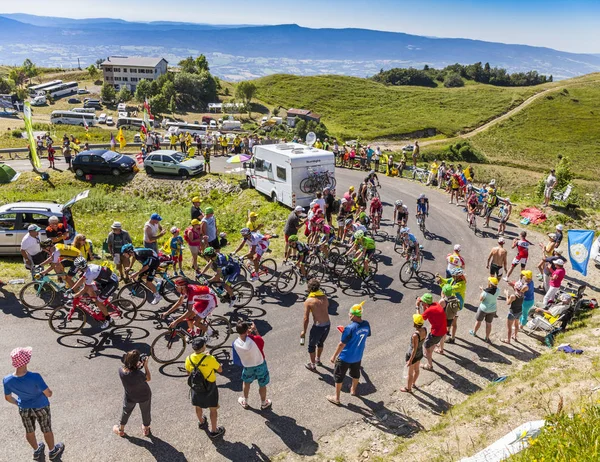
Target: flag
[
  {"x": 35, "y": 160},
  {"x": 86, "y": 126},
  {"x": 580, "y": 245},
  {"x": 113, "y": 143},
  {"x": 121, "y": 138},
  {"x": 147, "y": 118}
]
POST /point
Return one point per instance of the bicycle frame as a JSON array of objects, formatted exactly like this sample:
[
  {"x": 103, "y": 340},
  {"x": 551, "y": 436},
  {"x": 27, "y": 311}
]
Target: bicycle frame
[{"x": 79, "y": 302}]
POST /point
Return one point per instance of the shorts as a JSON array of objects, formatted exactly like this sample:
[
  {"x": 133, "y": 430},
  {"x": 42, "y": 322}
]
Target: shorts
[
  {"x": 42, "y": 415},
  {"x": 548, "y": 192},
  {"x": 418, "y": 356},
  {"x": 204, "y": 313},
  {"x": 495, "y": 270},
  {"x": 151, "y": 245},
  {"x": 341, "y": 367},
  {"x": 261, "y": 248},
  {"x": 514, "y": 316},
  {"x": 341, "y": 218},
  {"x": 401, "y": 218},
  {"x": 522, "y": 261},
  {"x": 421, "y": 209},
  {"x": 106, "y": 289},
  {"x": 489, "y": 211},
  {"x": 37, "y": 259},
  {"x": 215, "y": 244},
  {"x": 482, "y": 315},
  {"x": 176, "y": 258},
  {"x": 432, "y": 340},
  {"x": 194, "y": 250},
  {"x": 151, "y": 271},
  {"x": 449, "y": 323},
  {"x": 369, "y": 253},
  {"x": 317, "y": 337},
  {"x": 260, "y": 373},
  {"x": 117, "y": 259},
  {"x": 207, "y": 399},
  {"x": 230, "y": 273}
]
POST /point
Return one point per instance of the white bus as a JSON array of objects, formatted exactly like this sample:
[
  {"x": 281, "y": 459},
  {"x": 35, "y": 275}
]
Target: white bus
[
  {"x": 87, "y": 110},
  {"x": 34, "y": 89},
  {"x": 62, "y": 89},
  {"x": 182, "y": 127},
  {"x": 73, "y": 118},
  {"x": 131, "y": 122}
]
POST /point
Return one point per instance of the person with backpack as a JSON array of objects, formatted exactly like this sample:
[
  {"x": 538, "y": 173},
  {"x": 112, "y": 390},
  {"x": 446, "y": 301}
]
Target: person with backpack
[
  {"x": 202, "y": 369},
  {"x": 451, "y": 306},
  {"x": 193, "y": 237}
]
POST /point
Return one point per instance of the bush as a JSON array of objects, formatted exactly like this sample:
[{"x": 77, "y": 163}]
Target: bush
[
  {"x": 453, "y": 81},
  {"x": 564, "y": 176},
  {"x": 16, "y": 134},
  {"x": 458, "y": 152}
]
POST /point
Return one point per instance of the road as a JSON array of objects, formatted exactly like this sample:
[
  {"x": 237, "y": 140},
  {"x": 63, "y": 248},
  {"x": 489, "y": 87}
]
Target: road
[{"x": 87, "y": 392}]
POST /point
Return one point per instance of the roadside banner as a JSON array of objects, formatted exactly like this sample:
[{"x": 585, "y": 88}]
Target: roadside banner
[
  {"x": 121, "y": 138},
  {"x": 580, "y": 245},
  {"x": 35, "y": 160}
]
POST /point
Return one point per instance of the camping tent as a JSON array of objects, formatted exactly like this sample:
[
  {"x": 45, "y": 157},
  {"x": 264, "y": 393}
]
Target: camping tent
[{"x": 7, "y": 174}]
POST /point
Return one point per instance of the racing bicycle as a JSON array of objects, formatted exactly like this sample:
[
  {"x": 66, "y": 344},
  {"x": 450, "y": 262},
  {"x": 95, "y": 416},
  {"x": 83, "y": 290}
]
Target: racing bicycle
[
  {"x": 40, "y": 293},
  {"x": 421, "y": 221},
  {"x": 412, "y": 266},
  {"x": 243, "y": 291},
  {"x": 267, "y": 268}
]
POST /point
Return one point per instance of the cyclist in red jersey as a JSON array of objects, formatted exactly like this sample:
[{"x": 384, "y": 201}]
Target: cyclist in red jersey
[
  {"x": 522, "y": 245},
  {"x": 376, "y": 211},
  {"x": 201, "y": 302}
]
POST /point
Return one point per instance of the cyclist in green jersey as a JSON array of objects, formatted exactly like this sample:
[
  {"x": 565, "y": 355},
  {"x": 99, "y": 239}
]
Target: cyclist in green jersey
[{"x": 364, "y": 248}]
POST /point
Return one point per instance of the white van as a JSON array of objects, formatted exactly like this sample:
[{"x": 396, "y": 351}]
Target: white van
[
  {"x": 88, "y": 110},
  {"x": 231, "y": 125},
  {"x": 39, "y": 100},
  {"x": 278, "y": 170}
]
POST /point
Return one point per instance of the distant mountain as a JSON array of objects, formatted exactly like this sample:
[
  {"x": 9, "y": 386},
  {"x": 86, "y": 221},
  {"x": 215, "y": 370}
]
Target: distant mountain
[{"x": 238, "y": 52}]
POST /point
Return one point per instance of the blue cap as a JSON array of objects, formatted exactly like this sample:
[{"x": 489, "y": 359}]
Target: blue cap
[{"x": 155, "y": 216}]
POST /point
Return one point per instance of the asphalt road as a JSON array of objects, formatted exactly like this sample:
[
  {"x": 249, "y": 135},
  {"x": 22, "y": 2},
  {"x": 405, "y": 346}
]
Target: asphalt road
[{"x": 87, "y": 392}]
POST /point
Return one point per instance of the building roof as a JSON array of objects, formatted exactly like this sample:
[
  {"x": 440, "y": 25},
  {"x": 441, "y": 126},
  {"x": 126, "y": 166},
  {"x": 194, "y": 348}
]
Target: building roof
[
  {"x": 297, "y": 112},
  {"x": 140, "y": 61}
]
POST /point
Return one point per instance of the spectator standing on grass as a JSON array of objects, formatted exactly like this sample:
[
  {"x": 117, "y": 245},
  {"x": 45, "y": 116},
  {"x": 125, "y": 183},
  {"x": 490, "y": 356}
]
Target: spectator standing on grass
[
  {"x": 416, "y": 153},
  {"x": 30, "y": 247},
  {"x": 434, "y": 313},
  {"x": 497, "y": 259},
  {"x": 316, "y": 304},
  {"x": 549, "y": 185},
  {"x": 349, "y": 352},
  {"x": 376, "y": 158},
  {"x": 195, "y": 211},
  {"x": 206, "y": 394},
  {"x": 414, "y": 355},
  {"x": 176, "y": 246},
  {"x": 441, "y": 174},
  {"x": 252, "y": 224},
  {"x": 488, "y": 301},
  {"x": 209, "y": 229},
  {"x": 549, "y": 267},
  {"x": 137, "y": 391},
  {"x": 153, "y": 231},
  {"x": 28, "y": 391},
  {"x": 117, "y": 238},
  {"x": 556, "y": 280},
  {"x": 248, "y": 351}
]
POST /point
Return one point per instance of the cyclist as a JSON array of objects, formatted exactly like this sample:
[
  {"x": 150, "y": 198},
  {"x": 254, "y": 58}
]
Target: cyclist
[
  {"x": 411, "y": 244},
  {"x": 348, "y": 229},
  {"x": 302, "y": 251},
  {"x": 372, "y": 178},
  {"x": 201, "y": 302},
  {"x": 150, "y": 263},
  {"x": 61, "y": 256},
  {"x": 400, "y": 214},
  {"x": 472, "y": 203},
  {"x": 364, "y": 248},
  {"x": 422, "y": 207},
  {"x": 376, "y": 211},
  {"x": 327, "y": 238},
  {"x": 226, "y": 270},
  {"x": 258, "y": 245},
  {"x": 99, "y": 283},
  {"x": 364, "y": 220}
]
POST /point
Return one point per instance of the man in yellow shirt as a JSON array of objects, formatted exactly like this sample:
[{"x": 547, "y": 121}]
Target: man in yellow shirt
[
  {"x": 224, "y": 144},
  {"x": 318, "y": 144},
  {"x": 60, "y": 256},
  {"x": 252, "y": 223},
  {"x": 237, "y": 142},
  {"x": 173, "y": 142},
  {"x": 200, "y": 362}
]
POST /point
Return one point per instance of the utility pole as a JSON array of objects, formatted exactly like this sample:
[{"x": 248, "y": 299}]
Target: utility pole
[{"x": 78, "y": 64}]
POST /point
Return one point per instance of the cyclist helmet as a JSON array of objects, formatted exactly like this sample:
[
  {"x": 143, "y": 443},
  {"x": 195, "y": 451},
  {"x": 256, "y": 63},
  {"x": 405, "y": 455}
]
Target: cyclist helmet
[
  {"x": 127, "y": 248},
  {"x": 421, "y": 196},
  {"x": 181, "y": 282},
  {"x": 80, "y": 263},
  {"x": 362, "y": 215},
  {"x": 46, "y": 243},
  {"x": 398, "y": 203},
  {"x": 359, "y": 234},
  {"x": 457, "y": 272},
  {"x": 245, "y": 231},
  {"x": 293, "y": 238},
  {"x": 372, "y": 172},
  {"x": 404, "y": 230},
  {"x": 209, "y": 252},
  {"x": 348, "y": 221}
]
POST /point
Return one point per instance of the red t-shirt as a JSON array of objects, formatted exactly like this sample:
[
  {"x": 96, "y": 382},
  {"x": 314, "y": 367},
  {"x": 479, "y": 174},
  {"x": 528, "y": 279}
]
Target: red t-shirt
[
  {"x": 560, "y": 275},
  {"x": 436, "y": 316}
]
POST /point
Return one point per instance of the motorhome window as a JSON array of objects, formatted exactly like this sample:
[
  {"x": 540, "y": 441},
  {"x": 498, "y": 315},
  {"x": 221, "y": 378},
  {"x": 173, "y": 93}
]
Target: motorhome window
[
  {"x": 259, "y": 164},
  {"x": 268, "y": 167},
  {"x": 281, "y": 173}
]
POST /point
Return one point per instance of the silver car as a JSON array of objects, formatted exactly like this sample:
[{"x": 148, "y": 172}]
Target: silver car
[{"x": 172, "y": 163}]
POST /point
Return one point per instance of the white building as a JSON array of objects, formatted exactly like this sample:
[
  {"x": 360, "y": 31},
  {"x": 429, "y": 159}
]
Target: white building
[{"x": 126, "y": 71}]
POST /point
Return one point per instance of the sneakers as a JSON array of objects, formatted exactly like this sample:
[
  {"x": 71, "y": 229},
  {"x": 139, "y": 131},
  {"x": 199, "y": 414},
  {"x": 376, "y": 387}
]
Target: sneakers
[
  {"x": 39, "y": 452},
  {"x": 105, "y": 324},
  {"x": 318, "y": 361},
  {"x": 157, "y": 298},
  {"x": 203, "y": 425},
  {"x": 232, "y": 302},
  {"x": 220, "y": 432},
  {"x": 311, "y": 367},
  {"x": 254, "y": 277},
  {"x": 302, "y": 281},
  {"x": 57, "y": 451}
]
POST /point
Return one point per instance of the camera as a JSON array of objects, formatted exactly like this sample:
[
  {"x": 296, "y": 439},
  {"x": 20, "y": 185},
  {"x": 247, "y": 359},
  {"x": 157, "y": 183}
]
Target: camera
[{"x": 143, "y": 358}]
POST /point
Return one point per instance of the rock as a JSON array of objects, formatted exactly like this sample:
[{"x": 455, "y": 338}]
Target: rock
[{"x": 365, "y": 455}]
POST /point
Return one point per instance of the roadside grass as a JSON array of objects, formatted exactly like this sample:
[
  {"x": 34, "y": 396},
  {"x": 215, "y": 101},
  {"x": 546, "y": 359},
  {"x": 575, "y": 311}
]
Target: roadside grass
[
  {"x": 133, "y": 201},
  {"x": 352, "y": 107}
]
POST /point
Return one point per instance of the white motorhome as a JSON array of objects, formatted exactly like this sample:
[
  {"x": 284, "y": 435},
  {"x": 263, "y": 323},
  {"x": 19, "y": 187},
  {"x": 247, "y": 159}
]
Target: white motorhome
[
  {"x": 277, "y": 170},
  {"x": 39, "y": 100},
  {"x": 228, "y": 125}
]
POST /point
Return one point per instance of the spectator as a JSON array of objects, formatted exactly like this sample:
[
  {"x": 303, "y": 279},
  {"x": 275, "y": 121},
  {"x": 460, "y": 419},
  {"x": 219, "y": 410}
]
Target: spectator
[
  {"x": 556, "y": 280},
  {"x": 414, "y": 355},
  {"x": 117, "y": 238},
  {"x": 196, "y": 212},
  {"x": 488, "y": 301},
  {"x": 451, "y": 305},
  {"x": 204, "y": 393},
  {"x": 329, "y": 200},
  {"x": 349, "y": 352},
  {"x": 550, "y": 267},
  {"x": 559, "y": 234},
  {"x": 454, "y": 261},
  {"x": 505, "y": 212},
  {"x": 30, "y": 248},
  {"x": 248, "y": 351},
  {"x": 376, "y": 158},
  {"x": 529, "y": 297},
  {"x": 29, "y": 392},
  {"x": 252, "y": 223},
  {"x": 153, "y": 231},
  {"x": 137, "y": 390},
  {"x": 434, "y": 313},
  {"x": 176, "y": 246},
  {"x": 84, "y": 246},
  {"x": 415, "y": 154},
  {"x": 209, "y": 229},
  {"x": 317, "y": 304},
  {"x": 497, "y": 259},
  {"x": 550, "y": 183},
  {"x": 56, "y": 231},
  {"x": 292, "y": 225},
  {"x": 193, "y": 236},
  {"x": 320, "y": 200},
  {"x": 514, "y": 302}
]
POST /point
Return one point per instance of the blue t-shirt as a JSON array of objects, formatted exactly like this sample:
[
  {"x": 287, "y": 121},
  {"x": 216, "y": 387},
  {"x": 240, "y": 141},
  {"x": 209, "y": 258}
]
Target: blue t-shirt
[
  {"x": 530, "y": 294},
  {"x": 29, "y": 390},
  {"x": 355, "y": 337}
]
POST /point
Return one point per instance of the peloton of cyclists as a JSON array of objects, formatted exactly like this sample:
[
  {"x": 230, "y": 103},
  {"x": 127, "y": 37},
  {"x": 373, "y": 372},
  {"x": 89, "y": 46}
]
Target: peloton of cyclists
[
  {"x": 226, "y": 271},
  {"x": 150, "y": 263}
]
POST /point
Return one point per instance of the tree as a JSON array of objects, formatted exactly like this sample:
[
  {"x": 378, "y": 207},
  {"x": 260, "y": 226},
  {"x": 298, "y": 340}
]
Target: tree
[
  {"x": 99, "y": 61},
  {"x": 17, "y": 76},
  {"x": 245, "y": 92},
  {"x": 124, "y": 95},
  {"x": 159, "y": 104},
  {"x": 5, "y": 86},
  {"x": 201, "y": 64},
  {"x": 108, "y": 93},
  {"x": 173, "y": 105},
  {"x": 453, "y": 80},
  {"x": 93, "y": 71},
  {"x": 29, "y": 69},
  {"x": 187, "y": 65},
  {"x": 143, "y": 90},
  {"x": 194, "y": 90},
  {"x": 168, "y": 90}
]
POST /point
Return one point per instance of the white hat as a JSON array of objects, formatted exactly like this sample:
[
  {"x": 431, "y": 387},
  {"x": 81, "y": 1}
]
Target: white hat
[
  {"x": 559, "y": 227},
  {"x": 457, "y": 247},
  {"x": 116, "y": 225},
  {"x": 299, "y": 209},
  {"x": 501, "y": 240},
  {"x": 559, "y": 262}
]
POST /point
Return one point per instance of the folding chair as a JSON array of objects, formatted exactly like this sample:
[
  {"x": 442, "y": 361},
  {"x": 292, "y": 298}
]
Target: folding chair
[{"x": 563, "y": 196}]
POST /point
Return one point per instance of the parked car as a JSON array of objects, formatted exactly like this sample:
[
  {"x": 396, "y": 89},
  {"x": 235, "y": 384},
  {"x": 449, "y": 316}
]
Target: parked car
[
  {"x": 122, "y": 107},
  {"x": 212, "y": 125},
  {"x": 82, "y": 91},
  {"x": 408, "y": 147},
  {"x": 95, "y": 103},
  {"x": 74, "y": 100},
  {"x": 102, "y": 162},
  {"x": 16, "y": 217},
  {"x": 110, "y": 121},
  {"x": 102, "y": 118},
  {"x": 172, "y": 162}
]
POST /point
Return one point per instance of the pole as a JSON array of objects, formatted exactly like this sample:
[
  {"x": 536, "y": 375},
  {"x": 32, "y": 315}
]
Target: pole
[{"x": 78, "y": 64}]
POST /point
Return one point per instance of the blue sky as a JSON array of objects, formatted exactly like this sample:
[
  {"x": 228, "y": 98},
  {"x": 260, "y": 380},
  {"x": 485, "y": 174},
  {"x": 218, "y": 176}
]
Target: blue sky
[{"x": 569, "y": 25}]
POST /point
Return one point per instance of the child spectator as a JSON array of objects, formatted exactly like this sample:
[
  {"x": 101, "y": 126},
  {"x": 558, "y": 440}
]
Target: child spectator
[{"x": 177, "y": 250}]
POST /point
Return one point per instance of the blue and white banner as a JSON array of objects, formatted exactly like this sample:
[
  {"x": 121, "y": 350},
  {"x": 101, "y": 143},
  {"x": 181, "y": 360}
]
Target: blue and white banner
[{"x": 580, "y": 245}]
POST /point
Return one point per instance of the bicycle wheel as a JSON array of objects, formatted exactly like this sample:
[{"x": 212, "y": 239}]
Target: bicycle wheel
[
  {"x": 304, "y": 185},
  {"x": 135, "y": 292},
  {"x": 420, "y": 263},
  {"x": 286, "y": 281},
  {"x": 126, "y": 315},
  {"x": 406, "y": 271},
  {"x": 168, "y": 346},
  {"x": 66, "y": 320},
  {"x": 349, "y": 278},
  {"x": 373, "y": 266},
  {"x": 168, "y": 291},
  {"x": 37, "y": 295},
  {"x": 266, "y": 270},
  {"x": 332, "y": 257},
  {"x": 314, "y": 268},
  {"x": 243, "y": 292},
  {"x": 331, "y": 182},
  {"x": 221, "y": 330}
]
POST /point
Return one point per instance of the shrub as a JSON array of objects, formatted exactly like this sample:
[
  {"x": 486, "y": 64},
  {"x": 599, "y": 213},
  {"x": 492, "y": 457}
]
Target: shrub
[
  {"x": 453, "y": 81},
  {"x": 564, "y": 176},
  {"x": 16, "y": 134}
]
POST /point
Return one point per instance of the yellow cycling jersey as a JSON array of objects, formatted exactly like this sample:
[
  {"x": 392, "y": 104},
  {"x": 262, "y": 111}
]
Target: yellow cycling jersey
[{"x": 68, "y": 251}]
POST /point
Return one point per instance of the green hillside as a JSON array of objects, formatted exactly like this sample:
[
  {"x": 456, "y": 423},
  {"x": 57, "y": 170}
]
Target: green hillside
[{"x": 353, "y": 107}]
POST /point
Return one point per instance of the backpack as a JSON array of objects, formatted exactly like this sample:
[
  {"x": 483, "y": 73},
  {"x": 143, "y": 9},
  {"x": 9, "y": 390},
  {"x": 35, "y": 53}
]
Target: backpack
[
  {"x": 196, "y": 379},
  {"x": 452, "y": 306},
  {"x": 335, "y": 208},
  {"x": 186, "y": 236}
]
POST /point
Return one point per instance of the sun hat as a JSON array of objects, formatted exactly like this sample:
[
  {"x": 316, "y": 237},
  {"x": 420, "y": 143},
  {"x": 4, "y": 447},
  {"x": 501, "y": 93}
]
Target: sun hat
[
  {"x": 552, "y": 236},
  {"x": 357, "y": 309},
  {"x": 559, "y": 262},
  {"x": 20, "y": 356},
  {"x": 299, "y": 209},
  {"x": 116, "y": 225},
  {"x": 194, "y": 222},
  {"x": 418, "y": 319},
  {"x": 209, "y": 210},
  {"x": 351, "y": 188},
  {"x": 447, "y": 289},
  {"x": 558, "y": 251},
  {"x": 174, "y": 230},
  {"x": 559, "y": 227},
  {"x": 493, "y": 280},
  {"x": 253, "y": 214},
  {"x": 195, "y": 199},
  {"x": 427, "y": 298},
  {"x": 528, "y": 274},
  {"x": 156, "y": 216},
  {"x": 33, "y": 228}
]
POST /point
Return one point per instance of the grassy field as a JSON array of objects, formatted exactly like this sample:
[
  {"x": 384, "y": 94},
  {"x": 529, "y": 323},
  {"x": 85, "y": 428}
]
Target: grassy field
[
  {"x": 353, "y": 107},
  {"x": 132, "y": 202}
]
